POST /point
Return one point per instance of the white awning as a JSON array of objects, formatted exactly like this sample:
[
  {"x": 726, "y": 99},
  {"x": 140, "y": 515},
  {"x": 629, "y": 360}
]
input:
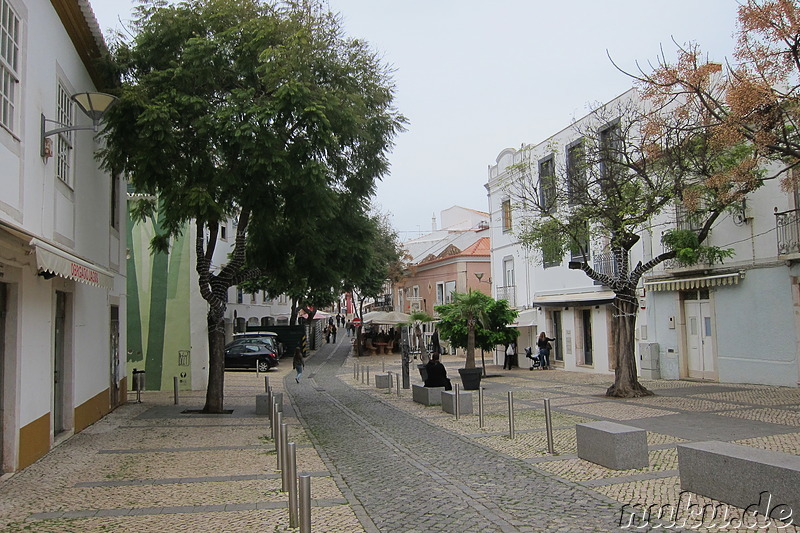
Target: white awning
[
  {"x": 525, "y": 319},
  {"x": 574, "y": 298},
  {"x": 693, "y": 283},
  {"x": 64, "y": 264}
]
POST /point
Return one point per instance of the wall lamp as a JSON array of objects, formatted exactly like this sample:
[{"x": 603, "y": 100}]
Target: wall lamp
[
  {"x": 94, "y": 105},
  {"x": 479, "y": 275}
]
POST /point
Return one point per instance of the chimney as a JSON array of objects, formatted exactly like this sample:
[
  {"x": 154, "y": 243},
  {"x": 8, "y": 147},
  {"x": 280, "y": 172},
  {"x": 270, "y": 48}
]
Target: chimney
[{"x": 433, "y": 222}]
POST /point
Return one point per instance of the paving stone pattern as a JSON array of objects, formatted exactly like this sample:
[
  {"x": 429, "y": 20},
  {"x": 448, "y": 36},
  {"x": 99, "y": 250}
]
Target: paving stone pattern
[{"x": 380, "y": 462}]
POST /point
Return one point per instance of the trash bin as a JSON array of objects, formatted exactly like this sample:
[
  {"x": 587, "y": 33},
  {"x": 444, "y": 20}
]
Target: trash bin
[{"x": 138, "y": 380}]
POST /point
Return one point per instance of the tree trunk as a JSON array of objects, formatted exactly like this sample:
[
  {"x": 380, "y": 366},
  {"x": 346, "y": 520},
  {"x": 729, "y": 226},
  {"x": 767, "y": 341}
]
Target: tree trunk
[
  {"x": 626, "y": 383},
  {"x": 470, "y": 362},
  {"x": 216, "y": 364}
]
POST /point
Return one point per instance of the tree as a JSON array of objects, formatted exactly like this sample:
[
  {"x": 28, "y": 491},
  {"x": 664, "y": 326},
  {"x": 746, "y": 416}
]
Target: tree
[
  {"x": 636, "y": 160},
  {"x": 473, "y": 320},
  {"x": 248, "y": 109},
  {"x": 753, "y": 100}
]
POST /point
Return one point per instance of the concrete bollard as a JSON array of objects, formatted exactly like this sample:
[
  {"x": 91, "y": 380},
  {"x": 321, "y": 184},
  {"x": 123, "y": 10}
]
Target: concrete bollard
[
  {"x": 305, "y": 504},
  {"x": 175, "y": 387},
  {"x": 292, "y": 488},
  {"x": 480, "y": 407},
  {"x": 511, "y": 429}
]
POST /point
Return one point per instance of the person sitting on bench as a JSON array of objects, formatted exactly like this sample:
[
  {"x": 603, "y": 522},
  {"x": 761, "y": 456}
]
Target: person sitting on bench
[{"x": 437, "y": 374}]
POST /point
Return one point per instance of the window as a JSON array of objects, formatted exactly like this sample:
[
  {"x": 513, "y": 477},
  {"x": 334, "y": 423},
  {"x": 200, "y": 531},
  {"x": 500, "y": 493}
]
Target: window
[
  {"x": 115, "y": 202},
  {"x": 547, "y": 184},
  {"x": 223, "y": 232},
  {"x": 439, "y": 293},
  {"x": 610, "y": 153},
  {"x": 449, "y": 289},
  {"x": 63, "y": 152},
  {"x": 576, "y": 173},
  {"x": 239, "y": 295},
  {"x": 9, "y": 64},
  {"x": 508, "y": 272},
  {"x": 580, "y": 251},
  {"x": 506, "y": 215}
]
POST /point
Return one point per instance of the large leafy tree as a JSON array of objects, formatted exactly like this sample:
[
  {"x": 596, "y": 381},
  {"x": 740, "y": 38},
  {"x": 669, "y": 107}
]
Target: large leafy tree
[
  {"x": 636, "y": 160},
  {"x": 752, "y": 99},
  {"x": 259, "y": 110},
  {"x": 475, "y": 320}
]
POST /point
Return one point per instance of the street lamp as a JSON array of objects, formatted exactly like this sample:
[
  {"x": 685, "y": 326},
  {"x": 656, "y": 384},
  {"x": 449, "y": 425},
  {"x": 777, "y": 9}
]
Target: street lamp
[
  {"x": 479, "y": 275},
  {"x": 94, "y": 105}
]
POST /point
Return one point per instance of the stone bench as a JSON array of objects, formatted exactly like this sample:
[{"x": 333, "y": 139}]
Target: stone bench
[
  {"x": 612, "y": 445},
  {"x": 427, "y": 395},
  {"x": 383, "y": 381},
  {"x": 464, "y": 402},
  {"x": 762, "y": 480},
  {"x": 262, "y": 403}
]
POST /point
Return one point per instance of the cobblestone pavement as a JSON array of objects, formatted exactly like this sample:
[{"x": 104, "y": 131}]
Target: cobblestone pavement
[{"x": 380, "y": 462}]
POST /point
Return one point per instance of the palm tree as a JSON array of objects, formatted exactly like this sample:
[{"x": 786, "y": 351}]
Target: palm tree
[{"x": 469, "y": 307}]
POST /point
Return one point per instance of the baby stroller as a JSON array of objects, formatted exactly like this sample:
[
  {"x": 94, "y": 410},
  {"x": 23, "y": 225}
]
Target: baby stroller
[{"x": 536, "y": 362}]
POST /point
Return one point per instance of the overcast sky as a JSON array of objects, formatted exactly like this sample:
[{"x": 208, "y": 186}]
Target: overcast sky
[{"x": 477, "y": 76}]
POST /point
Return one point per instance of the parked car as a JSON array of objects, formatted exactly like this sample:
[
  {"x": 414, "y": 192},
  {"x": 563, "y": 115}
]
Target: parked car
[
  {"x": 251, "y": 353},
  {"x": 266, "y": 337}
]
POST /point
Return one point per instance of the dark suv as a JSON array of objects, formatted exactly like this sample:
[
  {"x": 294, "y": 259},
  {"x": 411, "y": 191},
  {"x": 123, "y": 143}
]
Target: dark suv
[{"x": 252, "y": 351}]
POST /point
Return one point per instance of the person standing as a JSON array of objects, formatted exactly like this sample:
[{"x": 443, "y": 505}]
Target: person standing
[
  {"x": 298, "y": 363},
  {"x": 543, "y": 343},
  {"x": 511, "y": 351}
]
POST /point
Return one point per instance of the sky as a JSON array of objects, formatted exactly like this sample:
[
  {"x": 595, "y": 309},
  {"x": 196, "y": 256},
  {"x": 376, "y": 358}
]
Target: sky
[{"x": 474, "y": 77}]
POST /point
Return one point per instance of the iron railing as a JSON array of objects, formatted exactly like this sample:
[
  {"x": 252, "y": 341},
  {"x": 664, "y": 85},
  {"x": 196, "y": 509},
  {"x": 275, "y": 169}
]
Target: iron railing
[
  {"x": 508, "y": 293},
  {"x": 787, "y": 226}
]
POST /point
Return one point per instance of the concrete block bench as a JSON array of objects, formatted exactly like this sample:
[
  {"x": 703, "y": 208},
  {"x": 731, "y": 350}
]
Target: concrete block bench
[
  {"x": 427, "y": 395},
  {"x": 383, "y": 381},
  {"x": 464, "y": 402},
  {"x": 612, "y": 445},
  {"x": 767, "y": 480},
  {"x": 262, "y": 403}
]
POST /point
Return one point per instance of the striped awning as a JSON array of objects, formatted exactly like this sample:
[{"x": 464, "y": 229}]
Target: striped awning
[
  {"x": 574, "y": 298},
  {"x": 525, "y": 318},
  {"x": 694, "y": 283},
  {"x": 62, "y": 263}
]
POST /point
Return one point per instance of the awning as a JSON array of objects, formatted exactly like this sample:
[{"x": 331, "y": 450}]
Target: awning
[
  {"x": 574, "y": 298},
  {"x": 62, "y": 263},
  {"x": 525, "y": 319},
  {"x": 693, "y": 283}
]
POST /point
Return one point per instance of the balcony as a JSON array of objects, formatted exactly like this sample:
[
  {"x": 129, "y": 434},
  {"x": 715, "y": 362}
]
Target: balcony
[
  {"x": 508, "y": 293},
  {"x": 787, "y": 226}
]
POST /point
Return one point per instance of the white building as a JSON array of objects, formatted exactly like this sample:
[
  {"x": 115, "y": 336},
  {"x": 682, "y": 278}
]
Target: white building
[
  {"x": 735, "y": 322},
  {"x": 62, "y": 251}
]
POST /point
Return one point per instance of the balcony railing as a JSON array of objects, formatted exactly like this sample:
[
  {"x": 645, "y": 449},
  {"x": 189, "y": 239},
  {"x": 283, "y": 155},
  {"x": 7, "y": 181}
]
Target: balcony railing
[
  {"x": 787, "y": 226},
  {"x": 508, "y": 293}
]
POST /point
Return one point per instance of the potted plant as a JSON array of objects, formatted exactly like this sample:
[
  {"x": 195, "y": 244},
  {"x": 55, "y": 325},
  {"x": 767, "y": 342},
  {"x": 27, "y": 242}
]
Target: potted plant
[
  {"x": 464, "y": 313},
  {"x": 475, "y": 320}
]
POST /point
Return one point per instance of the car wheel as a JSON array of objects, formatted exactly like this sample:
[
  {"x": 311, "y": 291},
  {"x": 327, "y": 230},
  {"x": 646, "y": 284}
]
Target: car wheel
[{"x": 263, "y": 366}]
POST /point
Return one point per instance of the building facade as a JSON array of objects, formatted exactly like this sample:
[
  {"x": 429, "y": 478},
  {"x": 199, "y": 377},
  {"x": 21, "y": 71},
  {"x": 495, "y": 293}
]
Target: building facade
[
  {"x": 62, "y": 243},
  {"x": 733, "y": 322}
]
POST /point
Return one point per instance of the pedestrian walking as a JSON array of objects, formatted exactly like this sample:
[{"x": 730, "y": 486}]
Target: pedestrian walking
[
  {"x": 333, "y": 333},
  {"x": 327, "y": 332},
  {"x": 298, "y": 363},
  {"x": 543, "y": 343}
]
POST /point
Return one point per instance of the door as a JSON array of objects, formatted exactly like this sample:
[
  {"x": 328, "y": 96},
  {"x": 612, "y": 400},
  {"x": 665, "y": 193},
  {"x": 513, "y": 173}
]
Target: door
[
  {"x": 699, "y": 326},
  {"x": 586, "y": 319},
  {"x": 3, "y": 299},
  {"x": 558, "y": 349},
  {"x": 114, "y": 349},
  {"x": 59, "y": 348}
]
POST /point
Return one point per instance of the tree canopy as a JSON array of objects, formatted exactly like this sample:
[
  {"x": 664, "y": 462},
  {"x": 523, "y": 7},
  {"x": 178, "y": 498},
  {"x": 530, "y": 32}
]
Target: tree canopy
[
  {"x": 475, "y": 320},
  {"x": 259, "y": 111}
]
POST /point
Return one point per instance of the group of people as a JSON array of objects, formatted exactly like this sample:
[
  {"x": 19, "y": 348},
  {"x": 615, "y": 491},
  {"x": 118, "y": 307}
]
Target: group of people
[{"x": 543, "y": 349}]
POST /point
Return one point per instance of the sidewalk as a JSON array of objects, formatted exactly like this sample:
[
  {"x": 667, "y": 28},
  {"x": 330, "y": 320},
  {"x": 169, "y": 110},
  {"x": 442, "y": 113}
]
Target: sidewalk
[{"x": 149, "y": 467}]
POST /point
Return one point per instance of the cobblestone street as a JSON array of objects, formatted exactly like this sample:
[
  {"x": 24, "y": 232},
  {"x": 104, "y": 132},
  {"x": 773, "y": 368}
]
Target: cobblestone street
[{"x": 380, "y": 462}]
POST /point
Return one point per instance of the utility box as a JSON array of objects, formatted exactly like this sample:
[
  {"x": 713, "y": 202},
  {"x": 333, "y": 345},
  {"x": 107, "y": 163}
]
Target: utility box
[{"x": 649, "y": 360}]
